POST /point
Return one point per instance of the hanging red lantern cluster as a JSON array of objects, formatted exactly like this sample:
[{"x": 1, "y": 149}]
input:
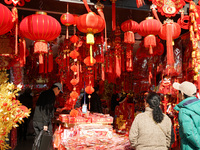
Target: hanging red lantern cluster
[
  {"x": 6, "y": 23},
  {"x": 149, "y": 28},
  {"x": 129, "y": 27},
  {"x": 40, "y": 28}
]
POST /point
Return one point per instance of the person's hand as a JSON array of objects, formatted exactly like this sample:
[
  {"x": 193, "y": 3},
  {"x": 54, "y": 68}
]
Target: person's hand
[{"x": 45, "y": 128}]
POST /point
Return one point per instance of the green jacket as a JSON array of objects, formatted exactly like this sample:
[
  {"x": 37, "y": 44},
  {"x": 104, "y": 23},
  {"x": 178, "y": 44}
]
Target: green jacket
[{"x": 189, "y": 122}]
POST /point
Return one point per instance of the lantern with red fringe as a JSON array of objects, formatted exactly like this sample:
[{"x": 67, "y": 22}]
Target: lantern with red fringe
[
  {"x": 149, "y": 28},
  {"x": 40, "y": 28},
  {"x": 67, "y": 19},
  {"x": 169, "y": 31},
  {"x": 129, "y": 27},
  {"x": 6, "y": 23},
  {"x": 90, "y": 23}
]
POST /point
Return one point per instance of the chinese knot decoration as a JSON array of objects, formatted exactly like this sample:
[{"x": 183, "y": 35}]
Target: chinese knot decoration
[{"x": 15, "y": 2}]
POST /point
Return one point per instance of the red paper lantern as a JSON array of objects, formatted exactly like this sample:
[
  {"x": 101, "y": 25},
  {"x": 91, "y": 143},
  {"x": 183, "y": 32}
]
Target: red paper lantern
[
  {"x": 169, "y": 31},
  {"x": 149, "y": 28},
  {"x": 129, "y": 27},
  {"x": 74, "y": 95},
  {"x": 74, "y": 68},
  {"x": 74, "y": 38},
  {"x": 41, "y": 28},
  {"x": 74, "y": 82},
  {"x": 89, "y": 89},
  {"x": 6, "y": 23},
  {"x": 74, "y": 54},
  {"x": 89, "y": 62}
]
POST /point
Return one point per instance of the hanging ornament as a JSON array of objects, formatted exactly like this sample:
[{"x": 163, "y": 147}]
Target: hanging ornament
[
  {"x": 169, "y": 8},
  {"x": 149, "y": 28},
  {"x": 40, "y": 28},
  {"x": 129, "y": 27},
  {"x": 113, "y": 15},
  {"x": 16, "y": 2}
]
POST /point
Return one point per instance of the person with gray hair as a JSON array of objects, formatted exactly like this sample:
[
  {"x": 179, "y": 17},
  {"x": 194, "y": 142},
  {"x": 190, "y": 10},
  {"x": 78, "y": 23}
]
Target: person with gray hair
[{"x": 189, "y": 115}]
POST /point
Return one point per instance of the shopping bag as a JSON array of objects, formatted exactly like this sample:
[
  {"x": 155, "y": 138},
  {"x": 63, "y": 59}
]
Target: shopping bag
[
  {"x": 46, "y": 141},
  {"x": 36, "y": 144}
]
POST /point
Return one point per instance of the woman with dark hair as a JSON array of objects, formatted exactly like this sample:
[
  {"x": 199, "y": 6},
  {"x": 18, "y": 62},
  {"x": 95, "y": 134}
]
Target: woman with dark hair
[{"x": 151, "y": 130}]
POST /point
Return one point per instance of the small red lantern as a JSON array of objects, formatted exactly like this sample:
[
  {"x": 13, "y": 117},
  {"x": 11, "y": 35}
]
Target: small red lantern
[
  {"x": 74, "y": 82},
  {"x": 74, "y": 54},
  {"x": 74, "y": 68},
  {"x": 74, "y": 38},
  {"x": 89, "y": 89},
  {"x": 88, "y": 61},
  {"x": 6, "y": 23},
  {"x": 74, "y": 95},
  {"x": 129, "y": 27},
  {"x": 149, "y": 28},
  {"x": 67, "y": 19}
]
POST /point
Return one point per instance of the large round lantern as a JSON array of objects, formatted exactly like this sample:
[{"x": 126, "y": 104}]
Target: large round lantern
[
  {"x": 169, "y": 31},
  {"x": 6, "y": 23},
  {"x": 149, "y": 28},
  {"x": 67, "y": 19},
  {"x": 129, "y": 27},
  {"x": 90, "y": 23},
  {"x": 40, "y": 28}
]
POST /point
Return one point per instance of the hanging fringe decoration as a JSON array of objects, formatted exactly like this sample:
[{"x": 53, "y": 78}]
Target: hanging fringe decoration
[
  {"x": 50, "y": 60},
  {"x": 169, "y": 40},
  {"x": 45, "y": 63},
  {"x": 22, "y": 52},
  {"x": 100, "y": 7},
  {"x": 150, "y": 42},
  {"x": 102, "y": 72},
  {"x": 64, "y": 58},
  {"x": 15, "y": 19},
  {"x": 41, "y": 63},
  {"x": 113, "y": 15}
]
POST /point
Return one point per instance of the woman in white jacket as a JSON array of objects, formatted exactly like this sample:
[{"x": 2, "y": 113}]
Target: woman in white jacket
[{"x": 151, "y": 130}]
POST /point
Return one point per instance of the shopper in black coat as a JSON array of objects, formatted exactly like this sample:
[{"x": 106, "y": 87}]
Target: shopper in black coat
[{"x": 44, "y": 110}]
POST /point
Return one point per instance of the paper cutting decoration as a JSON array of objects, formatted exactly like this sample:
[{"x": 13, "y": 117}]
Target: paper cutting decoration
[{"x": 169, "y": 8}]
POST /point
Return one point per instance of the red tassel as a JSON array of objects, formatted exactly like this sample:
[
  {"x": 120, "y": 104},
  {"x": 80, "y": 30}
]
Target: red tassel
[
  {"x": 100, "y": 11},
  {"x": 95, "y": 67},
  {"x": 122, "y": 57},
  {"x": 22, "y": 52},
  {"x": 102, "y": 72},
  {"x": 41, "y": 63},
  {"x": 118, "y": 66},
  {"x": 50, "y": 62},
  {"x": 150, "y": 42},
  {"x": 113, "y": 15},
  {"x": 129, "y": 60},
  {"x": 45, "y": 63},
  {"x": 64, "y": 60},
  {"x": 155, "y": 14},
  {"x": 129, "y": 37},
  {"x": 68, "y": 61},
  {"x": 170, "y": 54}
]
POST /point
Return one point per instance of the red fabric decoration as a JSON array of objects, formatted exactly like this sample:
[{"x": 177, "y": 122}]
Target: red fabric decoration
[
  {"x": 129, "y": 27},
  {"x": 150, "y": 27},
  {"x": 22, "y": 54},
  {"x": 89, "y": 89},
  {"x": 6, "y": 23}
]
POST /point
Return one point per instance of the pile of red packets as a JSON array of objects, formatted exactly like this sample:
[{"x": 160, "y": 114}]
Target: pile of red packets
[
  {"x": 91, "y": 137},
  {"x": 83, "y": 119}
]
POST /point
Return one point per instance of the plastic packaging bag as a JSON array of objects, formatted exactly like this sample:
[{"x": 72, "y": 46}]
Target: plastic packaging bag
[{"x": 43, "y": 141}]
